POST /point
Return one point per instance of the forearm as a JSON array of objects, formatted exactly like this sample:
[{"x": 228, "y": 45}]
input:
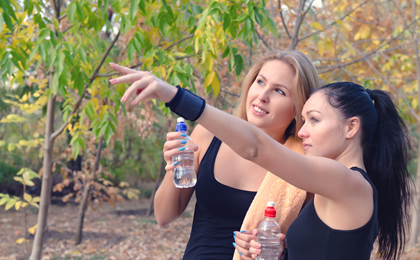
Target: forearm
[
  {"x": 170, "y": 202},
  {"x": 244, "y": 138}
]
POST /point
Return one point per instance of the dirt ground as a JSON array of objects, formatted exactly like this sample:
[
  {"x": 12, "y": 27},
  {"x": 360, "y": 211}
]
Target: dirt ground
[{"x": 120, "y": 232}]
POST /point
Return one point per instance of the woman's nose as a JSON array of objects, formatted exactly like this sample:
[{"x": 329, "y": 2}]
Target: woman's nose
[
  {"x": 302, "y": 132},
  {"x": 263, "y": 96}
]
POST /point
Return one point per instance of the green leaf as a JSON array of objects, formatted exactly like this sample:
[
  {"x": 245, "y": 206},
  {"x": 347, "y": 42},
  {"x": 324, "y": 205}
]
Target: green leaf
[
  {"x": 33, "y": 52},
  {"x": 182, "y": 79},
  {"x": 108, "y": 133},
  {"x": 142, "y": 6},
  {"x": 226, "y": 21},
  {"x": 1, "y": 23},
  {"x": 71, "y": 11},
  {"x": 54, "y": 86},
  {"x": 82, "y": 54},
  {"x": 43, "y": 33},
  {"x": 226, "y": 52},
  {"x": 130, "y": 51},
  {"x": 134, "y": 7},
  {"x": 8, "y": 21},
  {"x": 178, "y": 68},
  {"x": 10, "y": 204},
  {"x": 239, "y": 64}
]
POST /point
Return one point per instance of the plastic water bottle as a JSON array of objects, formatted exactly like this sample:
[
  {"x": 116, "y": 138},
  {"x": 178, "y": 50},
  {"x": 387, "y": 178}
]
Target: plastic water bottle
[
  {"x": 184, "y": 174},
  {"x": 267, "y": 235}
]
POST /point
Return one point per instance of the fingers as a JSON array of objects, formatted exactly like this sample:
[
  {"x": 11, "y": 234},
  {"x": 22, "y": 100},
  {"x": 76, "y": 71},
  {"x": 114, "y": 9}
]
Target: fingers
[
  {"x": 121, "y": 69},
  {"x": 255, "y": 249},
  {"x": 242, "y": 241}
]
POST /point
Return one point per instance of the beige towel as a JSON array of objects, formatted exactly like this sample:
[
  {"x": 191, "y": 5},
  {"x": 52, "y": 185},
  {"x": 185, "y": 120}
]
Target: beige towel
[{"x": 288, "y": 199}]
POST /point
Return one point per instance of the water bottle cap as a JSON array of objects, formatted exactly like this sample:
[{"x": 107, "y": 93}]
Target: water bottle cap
[
  {"x": 180, "y": 126},
  {"x": 270, "y": 211}
]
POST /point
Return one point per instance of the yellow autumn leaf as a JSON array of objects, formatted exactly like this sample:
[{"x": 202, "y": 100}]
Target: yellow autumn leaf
[
  {"x": 414, "y": 103},
  {"x": 27, "y": 197},
  {"x": 107, "y": 183},
  {"x": 215, "y": 85},
  {"x": 124, "y": 184},
  {"x": 321, "y": 47},
  {"x": 33, "y": 229},
  {"x": 17, "y": 205},
  {"x": 20, "y": 240},
  {"x": 364, "y": 31},
  {"x": 318, "y": 26},
  {"x": 36, "y": 199},
  {"x": 209, "y": 79},
  {"x": 356, "y": 36},
  {"x": 350, "y": 48}
]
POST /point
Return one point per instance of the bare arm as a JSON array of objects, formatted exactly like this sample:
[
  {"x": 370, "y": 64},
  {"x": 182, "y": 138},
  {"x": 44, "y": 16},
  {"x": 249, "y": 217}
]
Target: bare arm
[{"x": 170, "y": 202}]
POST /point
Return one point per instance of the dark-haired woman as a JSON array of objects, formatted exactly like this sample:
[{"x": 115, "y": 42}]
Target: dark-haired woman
[{"x": 356, "y": 155}]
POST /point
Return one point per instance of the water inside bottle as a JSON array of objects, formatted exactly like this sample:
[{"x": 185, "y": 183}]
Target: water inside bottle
[{"x": 184, "y": 174}]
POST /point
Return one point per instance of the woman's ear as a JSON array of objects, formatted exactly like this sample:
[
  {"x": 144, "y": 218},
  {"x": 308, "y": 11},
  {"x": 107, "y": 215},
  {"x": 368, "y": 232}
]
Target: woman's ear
[{"x": 353, "y": 126}]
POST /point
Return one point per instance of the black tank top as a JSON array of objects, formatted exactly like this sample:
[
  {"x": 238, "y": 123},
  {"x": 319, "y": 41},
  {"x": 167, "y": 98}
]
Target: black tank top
[
  {"x": 219, "y": 211},
  {"x": 310, "y": 238}
]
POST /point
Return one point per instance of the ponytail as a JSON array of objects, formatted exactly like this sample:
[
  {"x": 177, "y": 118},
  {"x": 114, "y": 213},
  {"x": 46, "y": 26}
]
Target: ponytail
[
  {"x": 385, "y": 145},
  {"x": 386, "y": 162}
]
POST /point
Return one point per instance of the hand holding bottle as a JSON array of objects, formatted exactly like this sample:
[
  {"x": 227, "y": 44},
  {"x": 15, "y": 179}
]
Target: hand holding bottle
[{"x": 255, "y": 247}]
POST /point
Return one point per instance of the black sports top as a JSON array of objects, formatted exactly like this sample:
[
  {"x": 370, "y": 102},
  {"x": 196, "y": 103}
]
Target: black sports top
[
  {"x": 219, "y": 211},
  {"x": 310, "y": 238}
]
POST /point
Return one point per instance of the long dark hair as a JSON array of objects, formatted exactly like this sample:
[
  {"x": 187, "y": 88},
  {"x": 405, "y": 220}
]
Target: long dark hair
[{"x": 385, "y": 144}]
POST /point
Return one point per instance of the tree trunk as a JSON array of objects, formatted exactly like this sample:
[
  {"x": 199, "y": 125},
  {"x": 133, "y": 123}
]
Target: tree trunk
[
  {"x": 46, "y": 183},
  {"x": 82, "y": 210},
  {"x": 150, "y": 209},
  {"x": 414, "y": 234},
  {"x": 416, "y": 198},
  {"x": 85, "y": 196}
]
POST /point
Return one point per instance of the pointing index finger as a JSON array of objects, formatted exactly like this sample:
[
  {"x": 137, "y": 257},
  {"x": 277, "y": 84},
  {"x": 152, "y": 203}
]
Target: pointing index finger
[{"x": 121, "y": 69}]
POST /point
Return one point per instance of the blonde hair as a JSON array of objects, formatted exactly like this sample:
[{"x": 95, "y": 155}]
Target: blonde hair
[{"x": 306, "y": 79}]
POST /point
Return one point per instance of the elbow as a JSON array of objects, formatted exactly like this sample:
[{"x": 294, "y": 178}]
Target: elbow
[
  {"x": 251, "y": 153},
  {"x": 162, "y": 222}
]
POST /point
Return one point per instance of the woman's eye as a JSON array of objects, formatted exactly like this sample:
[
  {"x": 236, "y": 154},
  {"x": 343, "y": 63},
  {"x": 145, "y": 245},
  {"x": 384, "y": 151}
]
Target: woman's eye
[
  {"x": 280, "y": 91},
  {"x": 260, "y": 82},
  {"x": 313, "y": 120}
]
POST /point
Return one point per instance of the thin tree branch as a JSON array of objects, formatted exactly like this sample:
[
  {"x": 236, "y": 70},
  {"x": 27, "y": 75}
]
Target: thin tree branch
[
  {"x": 137, "y": 65},
  {"x": 230, "y": 93},
  {"x": 62, "y": 17},
  {"x": 298, "y": 22},
  {"x": 331, "y": 24},
  {"x": 177, "y": 42},
  {"x": 307, "y": 9},
  {"x": 282, "y": 19},
  {"x": 370, "y": 53},
  {"x": 92, "y": 78},
  {"x": 262, "y": 39}
]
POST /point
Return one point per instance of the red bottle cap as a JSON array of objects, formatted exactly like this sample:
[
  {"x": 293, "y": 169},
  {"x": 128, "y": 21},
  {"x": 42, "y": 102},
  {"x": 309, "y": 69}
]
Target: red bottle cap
[{"x": 270, "y": 211}]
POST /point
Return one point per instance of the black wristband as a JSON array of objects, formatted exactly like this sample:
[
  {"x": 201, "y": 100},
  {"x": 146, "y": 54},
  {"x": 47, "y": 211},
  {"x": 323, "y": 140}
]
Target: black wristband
[{"x": 187, "y": 104}]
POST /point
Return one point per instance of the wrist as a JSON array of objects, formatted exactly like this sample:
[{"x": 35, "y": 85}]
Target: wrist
[{"x": 187, "y": 104}]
